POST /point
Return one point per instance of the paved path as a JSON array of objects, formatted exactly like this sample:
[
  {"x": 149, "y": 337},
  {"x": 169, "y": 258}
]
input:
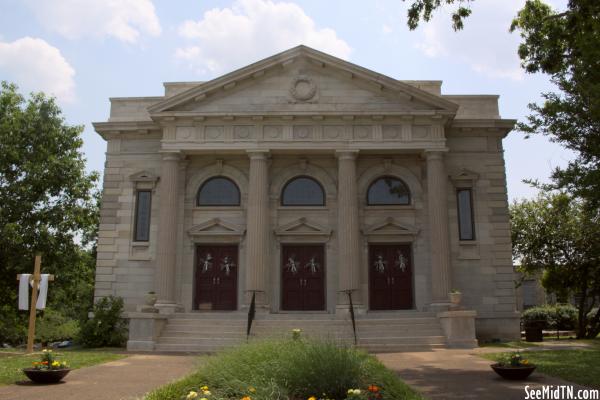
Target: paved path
[
  {"x": 460, "y": 374},
  {"x": 129, "y": 378}
]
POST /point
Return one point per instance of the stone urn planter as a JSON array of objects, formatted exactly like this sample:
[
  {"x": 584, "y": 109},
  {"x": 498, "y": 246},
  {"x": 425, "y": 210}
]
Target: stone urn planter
[
  {"x": 150, "y": 298},
  {"x": 46, "y": 375},
  {"x": 455, "y": 297},
  {"x": 513, "y": 372}
]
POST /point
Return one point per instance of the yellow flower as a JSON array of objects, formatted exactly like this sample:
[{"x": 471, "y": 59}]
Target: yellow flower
[
  {"x": 525, "y": 362},
  {"x": 204, "y": 387},
  {"x": 251, "y": 389},
  {"x": 206, "y": 392},
  {"x": 55, "y": 364},
  {"x": 191, "y": 395},
  {"x": 312, "y": 398}
]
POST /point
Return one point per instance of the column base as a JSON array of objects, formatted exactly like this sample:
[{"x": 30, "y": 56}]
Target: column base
[
  {"x": 144, "y": 330},
  {"x": 459, "y": 328},
  {"x": 168, "y": 308}
]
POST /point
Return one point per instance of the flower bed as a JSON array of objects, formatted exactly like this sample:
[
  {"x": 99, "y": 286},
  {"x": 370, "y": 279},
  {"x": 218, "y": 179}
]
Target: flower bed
[{"x": 289, "y": 370}]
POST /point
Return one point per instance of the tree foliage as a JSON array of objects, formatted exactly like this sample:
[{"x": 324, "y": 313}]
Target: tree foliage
[
  {"x": 565, "y": 46},
  {"x": 423, "y": 9},
  {"x": 47, "y": 202},
  {"x": 560, "y": 235}
]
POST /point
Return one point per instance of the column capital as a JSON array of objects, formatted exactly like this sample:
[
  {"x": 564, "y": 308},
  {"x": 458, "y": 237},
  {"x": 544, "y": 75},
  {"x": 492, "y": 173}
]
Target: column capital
[
  {"x": 346, "y": 154},
  {"x": 435, "y": 154},
  {"x": 171, "y": 155},
  {"x": 258, "y": 154}
]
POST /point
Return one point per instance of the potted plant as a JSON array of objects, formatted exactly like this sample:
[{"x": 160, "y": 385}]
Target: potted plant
[
  {"x": 455, "y": 297},
  {"x": 150, "y": 298},
  {"x": 515, "y": 367},
  {"x": 48, "y": 369}
]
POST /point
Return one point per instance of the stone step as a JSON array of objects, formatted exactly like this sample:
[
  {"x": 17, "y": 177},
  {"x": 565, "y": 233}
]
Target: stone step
[
  {"x": 397, "y": 348},
  {"x": 404, "y": 340}
]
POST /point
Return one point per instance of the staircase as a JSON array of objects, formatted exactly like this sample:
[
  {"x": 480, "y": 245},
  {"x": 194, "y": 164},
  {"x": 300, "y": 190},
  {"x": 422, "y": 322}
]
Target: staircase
[{"x": 377, "y": 332}]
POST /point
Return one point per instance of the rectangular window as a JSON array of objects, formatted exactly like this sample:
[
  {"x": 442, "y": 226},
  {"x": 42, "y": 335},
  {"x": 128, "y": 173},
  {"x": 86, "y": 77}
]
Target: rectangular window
[
  {"x": 142, "y": 216},
  {"x": 466, "y": 228}
]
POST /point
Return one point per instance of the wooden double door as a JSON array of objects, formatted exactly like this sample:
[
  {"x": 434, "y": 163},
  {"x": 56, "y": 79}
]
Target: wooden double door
[
  {"x": 302, "y": 277},
  {"x": 216, "y": 277},
  {"x": 390, "y": 277}
]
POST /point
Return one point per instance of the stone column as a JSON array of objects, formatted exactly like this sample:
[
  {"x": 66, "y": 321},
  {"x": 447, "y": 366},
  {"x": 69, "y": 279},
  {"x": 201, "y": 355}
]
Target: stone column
[
  {"x": 348, "y": 229},
  {"x": 166, "y": 245},
  {"x": 257, "y": 225},
  {"x": 437, "y": 200}
]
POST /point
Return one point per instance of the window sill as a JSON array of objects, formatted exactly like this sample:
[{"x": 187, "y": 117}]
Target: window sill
[
  {"x": 140, "y": 244},
  {"x": 467, "y": 243},
  {"x": 290, "y": 208},
  {"x": 408, "y": 207},
  {"x": 217, "y": 208}
]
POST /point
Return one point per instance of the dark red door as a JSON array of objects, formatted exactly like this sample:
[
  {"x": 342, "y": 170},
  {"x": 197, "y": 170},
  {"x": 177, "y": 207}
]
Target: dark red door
[
  {"x": 303, "y": 277},
  {"x": 216, "y": 277},
  {"x": 390, "y": 277}
]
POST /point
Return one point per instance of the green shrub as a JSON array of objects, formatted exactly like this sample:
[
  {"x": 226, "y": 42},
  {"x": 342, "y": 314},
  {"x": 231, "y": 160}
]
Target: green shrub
[
  {"x": 13, "y": 325},
  {"x": 562, "y": 315},
  {"x": 53, "y": 326},
  {"x": 106, "y": 328},
  {"x": 278, "y": 370}
]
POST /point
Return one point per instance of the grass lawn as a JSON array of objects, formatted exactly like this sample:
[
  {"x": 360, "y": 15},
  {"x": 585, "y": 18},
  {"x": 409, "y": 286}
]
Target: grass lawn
[
  {"x": 11, "y": 363},
  {"x": 281, "y": 370},
  {"x": 580, "y": 366}
]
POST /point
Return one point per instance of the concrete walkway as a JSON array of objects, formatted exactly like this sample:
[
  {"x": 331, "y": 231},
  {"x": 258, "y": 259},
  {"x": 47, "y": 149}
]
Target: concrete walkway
[
  {"x": 461, "y": 374},
  {"x": 126, "y": 379}
]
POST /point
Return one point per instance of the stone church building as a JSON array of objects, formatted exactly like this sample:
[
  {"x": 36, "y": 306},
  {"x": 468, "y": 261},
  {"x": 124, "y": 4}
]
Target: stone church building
[{"x": 304, "y": 178}]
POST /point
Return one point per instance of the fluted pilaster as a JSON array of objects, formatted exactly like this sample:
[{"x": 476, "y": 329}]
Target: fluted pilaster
[
  {"x": 166, "y": 246},
  {"x": 348, "y": 224},
  {"x": 257, "y": 249},
  {"x": 437, "y": 199}
]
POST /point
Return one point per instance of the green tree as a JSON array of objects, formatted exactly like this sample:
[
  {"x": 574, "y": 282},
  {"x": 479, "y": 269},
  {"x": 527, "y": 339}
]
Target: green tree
[
  {"x": 560, "y": 236},
  {"x": 48, "y": 204},
  {"x": 563, "y": 45}
]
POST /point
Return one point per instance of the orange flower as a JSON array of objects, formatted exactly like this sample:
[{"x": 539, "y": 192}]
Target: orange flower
[
  {"x": 246, "y": 398},
  {"x": 45, "y": 362},
  {"x": 373, "y": 388}
]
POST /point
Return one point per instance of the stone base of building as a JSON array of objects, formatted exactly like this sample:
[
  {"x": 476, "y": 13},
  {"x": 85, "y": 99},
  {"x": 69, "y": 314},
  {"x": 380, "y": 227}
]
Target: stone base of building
[{"x": 505, "y": 326}]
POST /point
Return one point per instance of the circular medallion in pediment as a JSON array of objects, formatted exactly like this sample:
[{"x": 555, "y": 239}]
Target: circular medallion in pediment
[{"x": 303, "y": 88}]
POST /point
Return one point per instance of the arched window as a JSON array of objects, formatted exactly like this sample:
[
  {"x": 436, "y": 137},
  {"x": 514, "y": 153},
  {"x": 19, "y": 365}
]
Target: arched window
[
  {"x": 388, "y": 190},
  {"x": 218, "y": 191},
  {"x": 303, "y": 191}
]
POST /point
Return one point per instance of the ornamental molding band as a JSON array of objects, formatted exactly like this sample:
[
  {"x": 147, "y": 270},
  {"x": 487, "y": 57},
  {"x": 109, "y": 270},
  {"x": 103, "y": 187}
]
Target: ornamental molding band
[
  {"x": 464, "y": 177},
  {"x": 390, "y": 226},
  {"x": 302, "y": 227},
  {"x": 215, "y": 227}
]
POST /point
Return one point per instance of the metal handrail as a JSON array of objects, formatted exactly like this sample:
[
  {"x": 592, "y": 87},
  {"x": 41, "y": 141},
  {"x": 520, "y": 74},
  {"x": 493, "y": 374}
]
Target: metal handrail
[
  {"x": 251, "y": 314},
  {"x": 349, "y": 293}
]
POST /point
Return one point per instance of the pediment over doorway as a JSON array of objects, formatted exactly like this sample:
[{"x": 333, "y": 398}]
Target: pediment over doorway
[
  {"x": 216, "y": 227},
  {"x": 302, "y": 227},
  {"x": 390, "y": 227}
]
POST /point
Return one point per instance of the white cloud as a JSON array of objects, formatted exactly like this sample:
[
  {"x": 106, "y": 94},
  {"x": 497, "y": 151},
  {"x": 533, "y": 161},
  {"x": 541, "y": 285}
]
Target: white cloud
[
  {"x": 249, "y": 30},
  {"x": 386, "y": 29},
  {"x": 124, "y": 20},
  {"x": 35, "y": 65},
  {"x": 484, "y": 44}
]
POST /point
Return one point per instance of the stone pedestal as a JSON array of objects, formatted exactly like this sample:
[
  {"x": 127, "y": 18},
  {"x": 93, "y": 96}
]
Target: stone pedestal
[
  {"x": 257, "y": 226},
  {"x": 348, "y": 231},
  {"x": 437, "y": 200},
  {"x": 166, "y": 245},
  {"x": 144, "y": 330},
  {"x": 459, "y": 328}
]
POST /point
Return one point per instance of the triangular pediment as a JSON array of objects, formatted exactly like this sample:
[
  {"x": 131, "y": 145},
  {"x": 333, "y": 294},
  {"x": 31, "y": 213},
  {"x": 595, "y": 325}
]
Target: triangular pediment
[
  {"x": 302, "y": 226},
  {"x": 216, "y": 227},
  {"x": 143, "y": 176},
  {"x": 299, "y": 81},
  {"x": 390, "y": 226}
]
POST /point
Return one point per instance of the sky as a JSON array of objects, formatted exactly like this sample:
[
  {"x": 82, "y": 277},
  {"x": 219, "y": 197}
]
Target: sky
[{"x": 85, "y": 51}]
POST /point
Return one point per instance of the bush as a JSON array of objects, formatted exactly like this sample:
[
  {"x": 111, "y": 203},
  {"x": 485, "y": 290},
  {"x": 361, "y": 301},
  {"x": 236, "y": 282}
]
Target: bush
[
  {"x": 53, "y": 326},
  {"x": 278, "y": 370},
  {"x": 106, "y": 328},
  {"x": 562, "y": 315},
  {"x": 13, "y": 325}
]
